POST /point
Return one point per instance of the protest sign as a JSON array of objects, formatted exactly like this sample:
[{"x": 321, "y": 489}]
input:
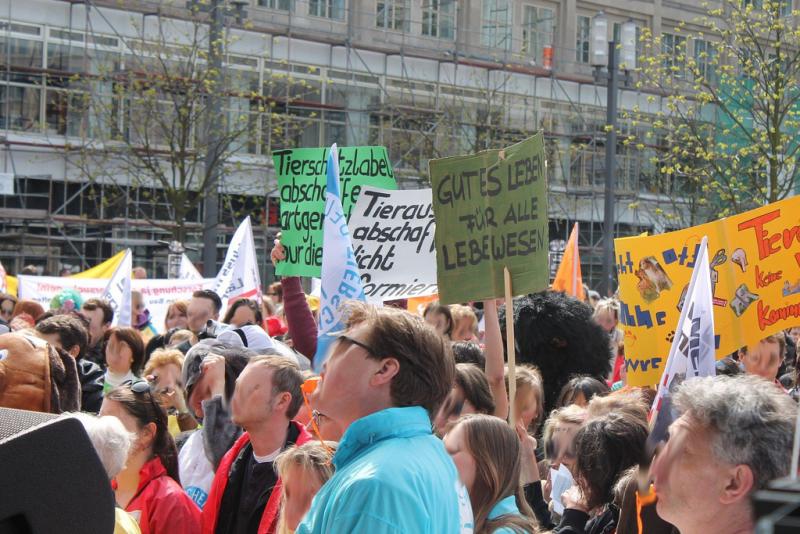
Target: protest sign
[
  {"x": 301, "y": 180},
  {"x": 392, "y": 235},
  {"x": 118, "y": 292},
  {"x": 158, "y": 294},
  {"x": 755, "y": 281},
  {"x": 491, "y": 213}
]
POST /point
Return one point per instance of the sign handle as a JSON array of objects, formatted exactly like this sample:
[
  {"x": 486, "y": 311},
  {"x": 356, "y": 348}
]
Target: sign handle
[{"x": 512, "y": 359}]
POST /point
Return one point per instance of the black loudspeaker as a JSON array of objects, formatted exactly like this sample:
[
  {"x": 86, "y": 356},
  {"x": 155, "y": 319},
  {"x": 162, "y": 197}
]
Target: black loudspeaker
[{"x": 51, "y": 479}]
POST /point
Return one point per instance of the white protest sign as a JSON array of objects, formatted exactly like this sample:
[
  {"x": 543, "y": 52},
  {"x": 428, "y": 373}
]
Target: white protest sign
[
  {"x": 157, "y": 294},
  {"x": 392, "y": 234},
  {"x": 118, "y": 292},
  {"x": 238, "y": 277}
]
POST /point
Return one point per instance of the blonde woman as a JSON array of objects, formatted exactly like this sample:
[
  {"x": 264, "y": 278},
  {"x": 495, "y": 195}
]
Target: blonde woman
[{"x": 303, "y": 470}]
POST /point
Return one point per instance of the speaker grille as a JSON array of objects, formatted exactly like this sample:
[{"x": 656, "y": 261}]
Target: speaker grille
[{"x": 13, "y": 422}]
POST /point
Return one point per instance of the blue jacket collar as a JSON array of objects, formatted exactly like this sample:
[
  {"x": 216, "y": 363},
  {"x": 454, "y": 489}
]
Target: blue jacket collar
[
  {"x": 504, "y": 507},
  {"x": 378, "y": 426}
]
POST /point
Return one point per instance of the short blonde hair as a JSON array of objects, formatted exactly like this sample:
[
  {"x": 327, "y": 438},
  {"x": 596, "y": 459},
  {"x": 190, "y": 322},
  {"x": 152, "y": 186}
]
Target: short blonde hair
[
  {"x": 568, "y": 415},
  {"x": 162, "y": 357},
  {"x": 460, "y": 313},
  {"x": 607, "y": 305}
]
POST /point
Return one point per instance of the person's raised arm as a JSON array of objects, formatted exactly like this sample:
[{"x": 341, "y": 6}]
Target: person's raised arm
[
  {"x": 495, "y": 366},
  {"x": 299, "y": 319}
]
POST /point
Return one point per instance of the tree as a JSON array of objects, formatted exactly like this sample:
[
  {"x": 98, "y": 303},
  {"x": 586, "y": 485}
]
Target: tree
[
  {"x": 725, "y": 136},
  {"x": 146, "y": 124}
]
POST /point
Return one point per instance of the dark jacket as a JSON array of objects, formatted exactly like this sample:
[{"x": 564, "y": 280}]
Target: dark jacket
[
  {"x": 97, "y": 354},
  {"x": 211, "y": 509},
  {"x": 91, "y": 377},
  {"x": 577, "y": 522}
]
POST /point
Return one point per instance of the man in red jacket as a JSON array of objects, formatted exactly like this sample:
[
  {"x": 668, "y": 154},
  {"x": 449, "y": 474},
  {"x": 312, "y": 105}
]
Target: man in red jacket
[{"x": 246, "y": 493}]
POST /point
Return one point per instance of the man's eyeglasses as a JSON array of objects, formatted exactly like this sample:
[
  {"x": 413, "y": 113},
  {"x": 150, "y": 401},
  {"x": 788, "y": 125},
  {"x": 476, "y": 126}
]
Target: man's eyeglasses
[{"x": 347, "y": 339}]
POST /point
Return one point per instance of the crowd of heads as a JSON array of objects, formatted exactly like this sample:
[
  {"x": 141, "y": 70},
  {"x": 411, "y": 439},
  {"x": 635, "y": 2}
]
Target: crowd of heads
[{"x": 567, "y": 452}]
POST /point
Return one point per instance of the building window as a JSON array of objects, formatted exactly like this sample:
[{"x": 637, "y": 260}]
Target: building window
[
  {"x": 537, "y": 31},
  {"x": 284, "y": 5},
  {"x": 582, "y": 30},
  {"x": 330, "y": 9},
  {"x": 439, "y": 18},
  {"x": 704, "y": 53},
  {"x": 22, "y": 105},
  {"x": 393, "y": 14},
  {"x": 673, "y": 49},
  {"x": 496, "y": 28}
]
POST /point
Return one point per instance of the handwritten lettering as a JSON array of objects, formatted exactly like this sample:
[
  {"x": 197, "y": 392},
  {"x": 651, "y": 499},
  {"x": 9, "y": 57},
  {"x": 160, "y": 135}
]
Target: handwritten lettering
[
  {"x": 763, "y": 279},
  {"x": 768, "y": 317},
  {"x": 769, "y": 244}
]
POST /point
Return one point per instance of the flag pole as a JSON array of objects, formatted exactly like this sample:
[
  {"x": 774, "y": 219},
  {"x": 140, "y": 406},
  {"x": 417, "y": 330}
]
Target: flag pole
[{"x": 512, "y": 371}]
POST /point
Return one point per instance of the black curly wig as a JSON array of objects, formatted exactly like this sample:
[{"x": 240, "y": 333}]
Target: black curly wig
[{"x": 556, "y": 333}]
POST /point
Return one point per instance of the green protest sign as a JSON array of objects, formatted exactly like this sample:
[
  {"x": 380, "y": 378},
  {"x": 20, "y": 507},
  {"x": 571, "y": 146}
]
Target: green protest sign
[
  {"x": 491, "y": 212},
  {"x": 302, "y": 175}
]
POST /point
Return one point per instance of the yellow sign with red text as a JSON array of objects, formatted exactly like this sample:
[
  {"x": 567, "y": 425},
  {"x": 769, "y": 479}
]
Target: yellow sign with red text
[{"x": 755, "y": 277}]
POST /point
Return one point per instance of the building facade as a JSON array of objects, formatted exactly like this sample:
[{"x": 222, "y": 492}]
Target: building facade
[{"x": 425, "y": 78}]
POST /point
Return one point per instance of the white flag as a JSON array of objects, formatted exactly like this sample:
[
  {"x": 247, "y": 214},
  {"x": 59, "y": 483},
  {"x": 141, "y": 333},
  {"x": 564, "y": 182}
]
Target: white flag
[
  {"x": 238, "y": 277},
  {"x": 693, "y": 348},
  {"x": 118, "y": 292},
  {"x": 187, "y": 270}
]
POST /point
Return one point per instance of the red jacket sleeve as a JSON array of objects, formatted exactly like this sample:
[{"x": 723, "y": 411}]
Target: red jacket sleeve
[{"x": 300, "y": 320}]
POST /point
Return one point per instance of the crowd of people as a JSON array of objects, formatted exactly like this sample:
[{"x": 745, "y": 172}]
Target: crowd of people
[{"x": 218, "y": 425}]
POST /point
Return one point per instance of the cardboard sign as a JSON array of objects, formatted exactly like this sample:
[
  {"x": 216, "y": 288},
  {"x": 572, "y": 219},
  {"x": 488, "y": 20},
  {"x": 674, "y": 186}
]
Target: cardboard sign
[
  {"x": 392, "y": 234},
  {"x": 491, "y": 212},
  {"x": 754, "y": 258},
  {"x": 301, "y": 179}
]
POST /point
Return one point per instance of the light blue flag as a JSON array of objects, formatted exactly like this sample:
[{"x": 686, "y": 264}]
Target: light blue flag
[{"x": 341, "y": 280}]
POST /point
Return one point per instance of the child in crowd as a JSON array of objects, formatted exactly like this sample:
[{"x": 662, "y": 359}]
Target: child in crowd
[
  {"x": 124, "y": 357},
  {"x": 303, "y": 470}
]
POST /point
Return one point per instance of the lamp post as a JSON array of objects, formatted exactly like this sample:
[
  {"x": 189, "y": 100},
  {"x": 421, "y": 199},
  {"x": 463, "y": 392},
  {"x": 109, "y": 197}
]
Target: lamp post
[
  {"x": 216, "y": 124},
  {"x": 604, "y": 59}
]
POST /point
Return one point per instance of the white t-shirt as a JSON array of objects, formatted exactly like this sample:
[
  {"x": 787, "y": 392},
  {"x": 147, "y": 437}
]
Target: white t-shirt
[{"x": 195, "y": 470}]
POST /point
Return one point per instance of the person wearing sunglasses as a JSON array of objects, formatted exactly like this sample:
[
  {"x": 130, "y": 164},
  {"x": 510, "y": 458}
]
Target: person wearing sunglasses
[
  {"x": 382, "y": 383},
  {"x": 149, "y": 486}
]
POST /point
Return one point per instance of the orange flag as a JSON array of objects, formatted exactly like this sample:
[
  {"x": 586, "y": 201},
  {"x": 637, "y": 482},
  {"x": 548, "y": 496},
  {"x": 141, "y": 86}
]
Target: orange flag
[{"x": 568, "y": 278}]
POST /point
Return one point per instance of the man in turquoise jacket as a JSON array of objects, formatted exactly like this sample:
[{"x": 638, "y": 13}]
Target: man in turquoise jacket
[{"x": 382, "y": 383}]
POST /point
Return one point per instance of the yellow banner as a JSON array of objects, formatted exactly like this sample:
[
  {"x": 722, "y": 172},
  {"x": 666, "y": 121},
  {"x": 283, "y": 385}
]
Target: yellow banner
[
  {"x": 101, "y": 270},
  {"x": 755, "y": 276}
]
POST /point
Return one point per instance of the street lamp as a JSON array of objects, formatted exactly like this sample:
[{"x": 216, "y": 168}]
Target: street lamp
[
  {"x": 604, "y": 54},
  {"x": 218, "y": 11}
]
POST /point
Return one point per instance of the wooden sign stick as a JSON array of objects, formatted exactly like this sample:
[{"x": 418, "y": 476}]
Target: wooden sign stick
[{"x": 512, "y": 371}]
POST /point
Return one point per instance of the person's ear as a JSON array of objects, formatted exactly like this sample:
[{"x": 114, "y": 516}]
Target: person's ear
[
  {"x": 282, "y": 401},
  {"x": 740, "y": 482},
  {"x": 388, "y": 369},
  {"x": 74, "y": 351},
  {"x": 147, "y": 435}
]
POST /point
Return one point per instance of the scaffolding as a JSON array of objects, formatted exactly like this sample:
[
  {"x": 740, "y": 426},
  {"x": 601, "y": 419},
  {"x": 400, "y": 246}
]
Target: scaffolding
[{"x": 420, "y": 96}]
